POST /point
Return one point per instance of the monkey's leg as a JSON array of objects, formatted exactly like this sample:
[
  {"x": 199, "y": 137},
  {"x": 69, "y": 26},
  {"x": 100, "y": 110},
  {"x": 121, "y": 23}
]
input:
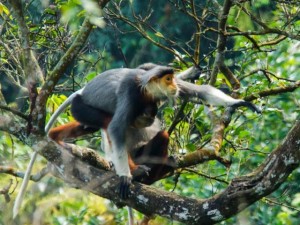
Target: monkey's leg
[
  {"x": 88, "y": 115},
  {"x": 69, "y": 130},
  {"x": 88, "y": 120},
  {"x": 155, "y": 156}
]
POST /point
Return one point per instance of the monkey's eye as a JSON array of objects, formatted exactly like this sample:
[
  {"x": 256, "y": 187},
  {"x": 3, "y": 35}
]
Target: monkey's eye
[{"x": 169, "y": 78}]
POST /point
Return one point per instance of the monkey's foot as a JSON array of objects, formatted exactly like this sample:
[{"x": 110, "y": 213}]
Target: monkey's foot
[
  {"x": 173, "y": 161},
  {"x": 140, "y": 172},
  {"x": 124, "y": 187}
]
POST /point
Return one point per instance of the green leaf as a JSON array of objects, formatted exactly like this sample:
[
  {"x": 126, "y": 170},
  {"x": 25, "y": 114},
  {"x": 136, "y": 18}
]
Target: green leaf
[
  {"x": 158, "y": 34},
  {"x": 3, "y": 9}
]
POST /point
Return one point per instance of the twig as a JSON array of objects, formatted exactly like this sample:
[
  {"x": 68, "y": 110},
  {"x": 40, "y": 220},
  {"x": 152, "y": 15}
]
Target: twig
[
  {"x": 178, "y": 116},
  {"x": 268, "y": 200},
  {"x": 5, "y": 191},
  {"x": 266, "y": 27},
  {"x": 205, "y": 175},
  {"x": 36, "y": 177}
]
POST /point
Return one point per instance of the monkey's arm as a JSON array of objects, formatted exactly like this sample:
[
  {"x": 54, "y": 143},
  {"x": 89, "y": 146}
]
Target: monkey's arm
[
  {"x": 189, "y": 73},
  {"x": 116, "y": 134},
  {"x": 211, "y": 95}
]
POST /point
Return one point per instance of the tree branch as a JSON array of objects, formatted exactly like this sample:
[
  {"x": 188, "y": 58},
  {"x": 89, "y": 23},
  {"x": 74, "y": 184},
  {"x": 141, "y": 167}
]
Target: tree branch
[
  {"x": 11, "y": 125},
  {"x": 268, "y": 29},
  {"x": 219, "y": 63},
  {"x": 274, "y": 91},
  {"x": 5, "y": 191},
  {"x": 32, "y": 69},
  {"x": 52, "y": 79},
  {"x": 61, "y": 66},
  {"x": 241, "y": 192},
  {"x": 11, "y": 171},
  {"x": 211, "y": 150},
  {"x": 16, "y": 112}
]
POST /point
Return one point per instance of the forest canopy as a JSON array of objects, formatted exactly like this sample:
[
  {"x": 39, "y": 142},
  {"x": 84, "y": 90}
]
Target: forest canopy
[{"x": 240, "y": 168}]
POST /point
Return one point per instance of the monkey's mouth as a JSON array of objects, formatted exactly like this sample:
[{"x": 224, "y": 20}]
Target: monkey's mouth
[{"x": 174, "y": 92}]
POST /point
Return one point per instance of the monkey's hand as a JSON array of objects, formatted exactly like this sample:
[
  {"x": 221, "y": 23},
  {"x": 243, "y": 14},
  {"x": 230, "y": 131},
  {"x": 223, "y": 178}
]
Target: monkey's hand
[
  {"x": 140, "y": 172},
  {"x": 124, "y": 187},
  {"x": 250, "y": 105},
  {"x": 231, "y": 109}
]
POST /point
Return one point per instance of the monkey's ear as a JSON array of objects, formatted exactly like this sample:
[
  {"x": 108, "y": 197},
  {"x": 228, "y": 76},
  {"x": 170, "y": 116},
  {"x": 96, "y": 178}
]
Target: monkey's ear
[
  {"x": 155, "y": 73},
  {"x": 153, "y": 79},
  {"x": 147, "y": 66}
]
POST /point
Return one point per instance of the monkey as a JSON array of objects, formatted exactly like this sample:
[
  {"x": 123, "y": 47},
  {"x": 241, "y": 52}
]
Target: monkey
[
  {"x": 119, "y": 99},
  {"x": 129, "y": 94},
  {"x": 126, "y": 94},
  {"x": 136, "y": 91}
]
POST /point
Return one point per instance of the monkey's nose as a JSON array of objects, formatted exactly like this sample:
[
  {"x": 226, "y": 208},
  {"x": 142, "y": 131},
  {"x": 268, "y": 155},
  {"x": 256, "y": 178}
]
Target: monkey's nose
[{"x": 173, "y": 91}]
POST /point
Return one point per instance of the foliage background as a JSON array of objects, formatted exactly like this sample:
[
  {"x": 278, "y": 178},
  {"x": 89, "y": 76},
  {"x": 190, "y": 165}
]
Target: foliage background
[{"x": 249, "y": 138}]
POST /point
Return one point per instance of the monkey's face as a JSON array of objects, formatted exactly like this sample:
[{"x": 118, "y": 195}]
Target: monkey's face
[
  {"x": 163, "y": 88},
  {"x": 168, "y": 83}
]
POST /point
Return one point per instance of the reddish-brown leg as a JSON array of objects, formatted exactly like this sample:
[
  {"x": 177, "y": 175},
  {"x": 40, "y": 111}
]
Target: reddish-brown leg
[
  {"x": 155, "y": 156},
  {"x": 69, "y": 130}
]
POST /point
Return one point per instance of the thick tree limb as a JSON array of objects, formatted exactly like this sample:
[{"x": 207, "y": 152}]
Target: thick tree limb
[
  {"x": 98, "y": 180},
  {"x": 241, "y": 193}
]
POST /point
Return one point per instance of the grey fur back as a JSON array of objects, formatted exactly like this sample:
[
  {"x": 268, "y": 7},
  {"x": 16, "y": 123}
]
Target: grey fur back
[{"x": 104, "y": 88}]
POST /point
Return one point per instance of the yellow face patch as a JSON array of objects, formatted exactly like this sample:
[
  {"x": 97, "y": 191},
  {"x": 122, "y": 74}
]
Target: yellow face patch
[
  {"x": 168, "y": 82},
  {"x": 168, "y": 79},
  {"x": 162, "y": 87}
]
